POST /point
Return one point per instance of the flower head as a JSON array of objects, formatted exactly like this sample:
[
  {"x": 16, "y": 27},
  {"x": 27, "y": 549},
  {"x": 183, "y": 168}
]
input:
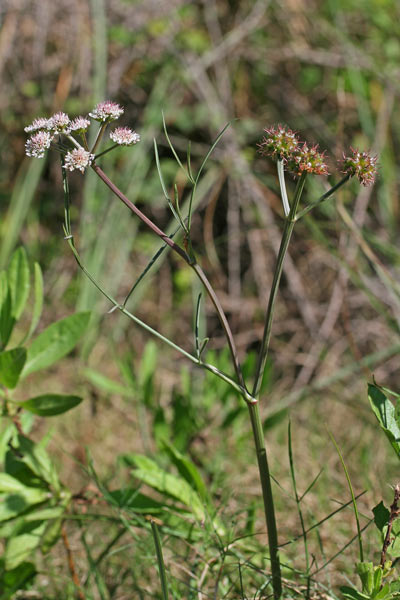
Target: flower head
[
  {"x": 59, "y": 122},
  {"x": 360, "y": 164},
  {"x": 78, "y": 158},
  {"x": 79, "y": 124},
  {"x": 308, "y": 160},
  {"x": 106, "y": 111},
  {"x": 38, "y": 124},
  {"x": 38, "y": 143},
  {"x": 124, "y": 136},
  {"x": 280, "y": 142}
]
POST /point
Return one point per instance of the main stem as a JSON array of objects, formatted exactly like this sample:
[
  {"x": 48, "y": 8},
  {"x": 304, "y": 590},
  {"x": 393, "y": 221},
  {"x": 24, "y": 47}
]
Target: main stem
[{"x": 268, "y": 499}]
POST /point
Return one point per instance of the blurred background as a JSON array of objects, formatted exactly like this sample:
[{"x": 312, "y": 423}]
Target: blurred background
[{"x": 329, "y": 70}]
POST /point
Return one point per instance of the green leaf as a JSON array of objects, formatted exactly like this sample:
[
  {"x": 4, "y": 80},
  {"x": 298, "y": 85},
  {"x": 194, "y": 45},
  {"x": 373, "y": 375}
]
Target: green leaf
[
  {"x": 11, "y": 364},
  {"x": 17, "y": 579},
  {"x": 37, "y": 459},
  {"x": 18, "y": 280},
  {"x": 16, "y": 498},
  {"x": 7, "y": 321},
  {"x": 365, "y": 571},
  {"x": 132, "y": 499},
  {"x": 38, "y": 301},
  {"x": 55, "y": 342},
  {"x": 352, "y": 593},
  {"x": 176, "y": 487},
  {"x": 187, "y": 470},
  {"x": 49, "y": 405},
  {"x": 381, "y": 515},
  {"x": 385, "y": 413},
  {"x": 19, "y": 547},
  {"x": 51, "y": 535},
  {"x": 106, "y": 384}
]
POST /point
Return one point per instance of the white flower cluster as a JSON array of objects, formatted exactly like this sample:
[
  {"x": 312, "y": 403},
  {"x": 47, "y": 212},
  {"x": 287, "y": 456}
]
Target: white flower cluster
[
  {"x": 43, "y": 131},
  {"x": 124, "y": 136}
]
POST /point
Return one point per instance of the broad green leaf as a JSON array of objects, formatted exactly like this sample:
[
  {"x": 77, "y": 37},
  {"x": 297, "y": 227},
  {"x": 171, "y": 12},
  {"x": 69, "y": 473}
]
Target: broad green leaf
[
  {"x": 16, "y": 498},
  {"x": 385, "y": 413},
  {"x": 18, "y": 280},
  {"x": 51, "y": 535},
  {"x": 176, "y": 487},
  {"x": 38, "y": 300},
  {"x": 106, "y": 384},
  {"x": 188, "y": 470},
  {"x": 49, "y": 405},
  {"x": 37, "y": 459},
  {"x": 7, "y": 320},
  {"x": 134, "y": 500},
  {"x": 11, "y": 364},
  {"x": 19, "y": 547},
  {"x": 352, "y": 593},
  {"x": 381, "y": 515},
  {"x": 17, "y": 579},
  {"x": 365, "y": 571},
  {"x": 55, "y": 342}
]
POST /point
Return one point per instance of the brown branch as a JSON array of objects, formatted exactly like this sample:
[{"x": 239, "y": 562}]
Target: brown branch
[{"x": 71, "y": 564}]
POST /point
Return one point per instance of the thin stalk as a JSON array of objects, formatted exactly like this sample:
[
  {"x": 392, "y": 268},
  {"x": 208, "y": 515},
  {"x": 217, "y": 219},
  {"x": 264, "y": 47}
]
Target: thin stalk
[
  {"x": 298, "y": 504},
  {"x": 281, "y": 176},
  {"x": 99, "y": 136},
  {"x": 322, "y": 198},
  {"x": 287, "y": 233},
  {"x": 356, "y": 515},
  {"x": 160, "y": 560},
  {"x": 268, "y": 500},
  {"x": 190, "y": 261}
]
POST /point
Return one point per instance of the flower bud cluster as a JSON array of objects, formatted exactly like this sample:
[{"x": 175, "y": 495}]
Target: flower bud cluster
[
  {"x": 360, "y": 164},
  {"x": 281, "y": 143},
  {"x": 43, "y": 131}
]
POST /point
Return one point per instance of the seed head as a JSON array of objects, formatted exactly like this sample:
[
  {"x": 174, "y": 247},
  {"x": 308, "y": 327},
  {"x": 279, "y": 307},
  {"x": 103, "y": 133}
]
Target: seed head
[
  {"x": 38, "y": 124},
  {"x": 78, "y": 158},
  {"x": 106, "y": 111},
  {"x": 59, "y": 122},
  {"x": 307, "y": 159},
  {"x": 79, "y": 124},
  {"x": 124, "y": 136},
  {"x": 38, "y": 143},
  {"x": 360, "y": 164},
  {"x": 280, "y": 142}
]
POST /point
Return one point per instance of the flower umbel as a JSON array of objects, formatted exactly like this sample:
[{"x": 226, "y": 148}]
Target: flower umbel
[
  {"x": 124, "y": 136},
  {"x": 280, "y": 142},
  {"x": 38, "y": 143},
  {"x": 106, "y": 111},
  {"x": 79, "y": 124},
  {"x": 59, "y": 122},
  {"x": 38, "y": 124},
  {"x": 307, "y": 159},
  {"x": 360, "y": 164},
  {"x": 78, "y": 159}
]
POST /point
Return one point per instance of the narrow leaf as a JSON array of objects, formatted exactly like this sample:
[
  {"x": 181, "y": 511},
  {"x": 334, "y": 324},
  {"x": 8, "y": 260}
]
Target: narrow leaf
[
  {"x": 11, "y": 364},
  {"x": 18, "y": 280},
  {"x": 188, "y": 470},
  {"x": 7, "y": 320},
  {"x": 106, "y": 384},
  {"x": 50, "y": 405},
  {"x": 207, "y": 156},
  {"x": 37, "y": 459},
  {"x": 38, "y": 299},
  {"x": 55, "y": 342}
]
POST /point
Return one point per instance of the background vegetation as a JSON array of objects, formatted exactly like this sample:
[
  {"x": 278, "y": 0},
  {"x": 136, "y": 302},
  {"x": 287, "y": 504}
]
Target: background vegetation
[{"x": 329, "y": 70}]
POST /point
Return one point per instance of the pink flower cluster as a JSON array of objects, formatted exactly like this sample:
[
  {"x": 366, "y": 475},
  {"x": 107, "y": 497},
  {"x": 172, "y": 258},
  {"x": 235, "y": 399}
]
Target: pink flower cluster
[
  {"x": 281, "y": 143},
  {"x": 43, "y": 131}
]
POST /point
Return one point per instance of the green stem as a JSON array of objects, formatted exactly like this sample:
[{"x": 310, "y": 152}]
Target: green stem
[
  {"x": 287, "y": 233},
  {"x": 322, "y": 198},
  {"x": 265, "y": 478}
]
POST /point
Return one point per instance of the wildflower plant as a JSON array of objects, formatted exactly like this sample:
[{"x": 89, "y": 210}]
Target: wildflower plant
[{"x": 292, "y": 155}]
